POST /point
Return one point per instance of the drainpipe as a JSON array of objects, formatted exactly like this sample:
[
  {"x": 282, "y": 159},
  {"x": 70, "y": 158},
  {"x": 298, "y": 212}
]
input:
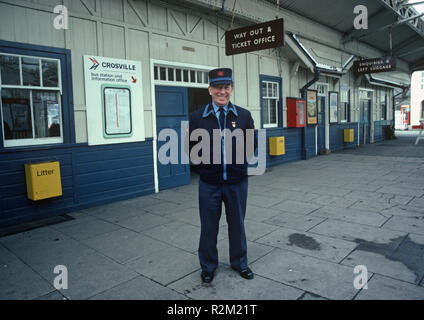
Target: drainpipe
[{"x": 304, "y": 96}]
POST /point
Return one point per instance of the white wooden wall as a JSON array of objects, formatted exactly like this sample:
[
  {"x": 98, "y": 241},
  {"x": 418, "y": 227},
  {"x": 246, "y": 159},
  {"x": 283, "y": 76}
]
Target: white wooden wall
[{"x": 149, "y": 29}]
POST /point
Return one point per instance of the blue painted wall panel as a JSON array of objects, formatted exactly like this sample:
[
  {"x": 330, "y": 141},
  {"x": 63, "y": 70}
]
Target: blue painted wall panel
[
  {"x": 380, "y": 130},
  {"x": 293, "y": 145},
  {"x": 337, "y": 136},
  {"x": 90, "y": 176}
]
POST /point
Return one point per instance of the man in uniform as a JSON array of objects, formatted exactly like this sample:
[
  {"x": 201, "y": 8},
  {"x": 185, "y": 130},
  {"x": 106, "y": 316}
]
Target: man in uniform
[{"x": 225, "y": 181}]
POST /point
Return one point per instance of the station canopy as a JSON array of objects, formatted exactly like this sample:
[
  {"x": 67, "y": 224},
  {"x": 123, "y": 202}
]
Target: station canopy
[{"x": 394, "y": 26}]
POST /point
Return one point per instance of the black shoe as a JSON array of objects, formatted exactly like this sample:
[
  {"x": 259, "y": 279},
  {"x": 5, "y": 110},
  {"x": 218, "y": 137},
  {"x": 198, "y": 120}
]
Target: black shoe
[
  {"x": 246, "y": 273},
  {"x": 207, "y": 277}
]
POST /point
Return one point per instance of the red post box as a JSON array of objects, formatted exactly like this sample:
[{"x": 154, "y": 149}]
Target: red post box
[{"x": 295, "y": 112}]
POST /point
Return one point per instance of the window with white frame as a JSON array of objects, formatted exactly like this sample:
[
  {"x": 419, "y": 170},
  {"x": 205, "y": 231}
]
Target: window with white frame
[
  {"x": 345, "y": 105},
  {"x": 166, "y": 74},
  {"x": 31, "y": 111},
  {"x": 383, "y": 105},
  {"x": 270, "y": 102}
]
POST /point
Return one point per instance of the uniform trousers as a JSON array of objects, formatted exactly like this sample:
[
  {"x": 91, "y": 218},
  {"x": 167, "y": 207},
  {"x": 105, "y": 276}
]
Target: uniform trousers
[{"x": 211, "y": 197}]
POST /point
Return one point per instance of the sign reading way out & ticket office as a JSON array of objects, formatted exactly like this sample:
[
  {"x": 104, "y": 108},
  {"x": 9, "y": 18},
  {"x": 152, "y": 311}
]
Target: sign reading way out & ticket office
[{"x": 253, "y": 38}]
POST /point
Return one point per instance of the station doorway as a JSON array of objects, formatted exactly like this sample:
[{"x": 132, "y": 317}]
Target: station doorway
[{"x": 173, "y": 105}]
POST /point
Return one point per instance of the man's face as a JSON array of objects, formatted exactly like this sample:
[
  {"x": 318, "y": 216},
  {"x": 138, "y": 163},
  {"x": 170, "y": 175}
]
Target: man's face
[{"x": 221, "y": 94}]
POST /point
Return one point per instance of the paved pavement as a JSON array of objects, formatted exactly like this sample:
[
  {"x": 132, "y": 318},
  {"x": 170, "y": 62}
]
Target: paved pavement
[{"x": 308, "y": 224}]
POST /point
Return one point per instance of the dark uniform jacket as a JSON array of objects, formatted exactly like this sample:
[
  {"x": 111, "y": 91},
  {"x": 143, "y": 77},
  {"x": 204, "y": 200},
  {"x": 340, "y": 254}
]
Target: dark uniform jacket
[{"x": 237, "y": 118}]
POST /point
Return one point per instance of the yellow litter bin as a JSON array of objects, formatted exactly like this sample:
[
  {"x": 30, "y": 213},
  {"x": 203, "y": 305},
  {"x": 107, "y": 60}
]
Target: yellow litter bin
[
  {"x": 349, "y": 135},
  {"x": 43, "y": 180},
  {"x": 276, "y": 146}
]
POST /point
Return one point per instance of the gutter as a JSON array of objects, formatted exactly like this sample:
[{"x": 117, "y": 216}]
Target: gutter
[
  {"x": 322, "y": 68},
  {"x": 385, "y": 83}
]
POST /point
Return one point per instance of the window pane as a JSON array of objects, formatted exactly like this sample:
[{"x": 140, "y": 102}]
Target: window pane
[
  {"x": 162, "y": 73},
  {"x": 9, "y": 69},
  {"x": 192, "y": 76},
  {"x": 185, "y": 73},
  {"x": 343, "y": 111},
  {"x": 178, "y": 74},
  {"x": 264, "y": 90},
  {"x": 46, "y": 114},
  {"x": 156, "y": 73},
  {"x": 265, "y": 111},
  {"x": 206, "y": 77},
  {"x": 170, "y": 74},
  {"x": 273, "y": 111},
  {"x": 50, "y": 73},
  {"x": 270, "y": 90},
  {"x": 30, "y": 71},
  {"x": 199, "y": 76},
  {"x": 275, "y": 94},
  {"x": 16, "y": 107}
]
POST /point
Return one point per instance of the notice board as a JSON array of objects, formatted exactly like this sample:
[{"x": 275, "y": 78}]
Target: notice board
[{"x": 113, "y": 91}]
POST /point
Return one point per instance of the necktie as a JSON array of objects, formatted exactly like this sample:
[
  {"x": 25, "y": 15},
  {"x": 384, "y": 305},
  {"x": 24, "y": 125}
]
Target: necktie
[
  {"x": 221, "y": 123},
  {"x": 221, "y": 117}
]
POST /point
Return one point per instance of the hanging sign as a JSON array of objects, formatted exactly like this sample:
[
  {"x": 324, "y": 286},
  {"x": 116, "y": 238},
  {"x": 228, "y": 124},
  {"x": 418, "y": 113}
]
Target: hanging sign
[
  {"x": 253, "y": 38},
  {"x": 114, "y": 100},
  {"x": 383, "y": 64}
]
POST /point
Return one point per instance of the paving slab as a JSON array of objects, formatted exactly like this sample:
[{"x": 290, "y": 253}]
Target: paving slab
[
  {"x": 291, "y": 195},
  {"x": 228, "y": 285},
  {"x": 178, "y": 234},
  {"x": 124, "y": 245},
  {"x": 370, "y": 218},
  {"x": 177, "y": 198},
  {"x": 311, "y": 296},
  {"x": 401, "y": 191},
  {"x": 19, "y": 282},
  {"x": 259, "y": 214},
  {"x": 325, "y": 200},
  {"x": 44, "y": 248},
  {"x": 192, "y": 216},
  {"x": 90, "y": 274},
  {"x": 89, "y": 227},
  {"x": 384, "y": 263},
  {"x": 168, "y": 208},
  {"x": 140, "y": 288},
  {"x": 144, "y": 222},
  {"x": 326, "y": 279},
  {"x": 55, "y": 295},
  {"x": 294, "y": 221},
  {"x": 385, "y": 288},
  {"x": 115, "y": 215},
  {"x": 359, "y": 233},
  {"x": 403, "y": 211},
  {"x": 309, "y": 244},
  {"x": 331, "y": 191},
  {"x": 263, "y": 201},
  {"x": 297, "y": 207},
  {"x": 406, "y": 224},
  {"x": 417, "y": 202},
  {"x": 166, "y": 266},
  {"x": 371, "y": 205},
  {"x": 255, "y": 230},
  {"x": 88, "y": 271},
  {"x": 254, "y": 251}
]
